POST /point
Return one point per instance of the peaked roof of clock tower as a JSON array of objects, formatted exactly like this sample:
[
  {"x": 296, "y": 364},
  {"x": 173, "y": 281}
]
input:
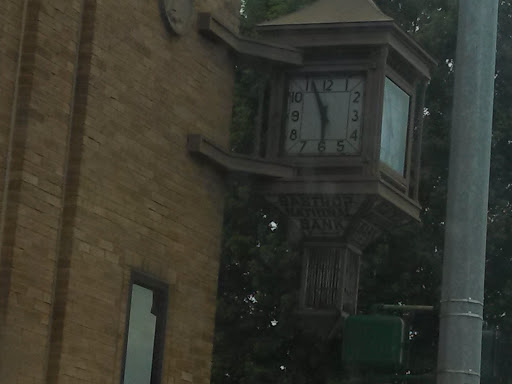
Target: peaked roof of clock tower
[{"x": 332, "y": 11}]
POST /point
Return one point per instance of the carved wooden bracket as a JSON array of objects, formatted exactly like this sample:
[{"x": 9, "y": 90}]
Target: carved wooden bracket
[
  {"x": 211, "y": 27},
  {"x": 237, "y": 163}
]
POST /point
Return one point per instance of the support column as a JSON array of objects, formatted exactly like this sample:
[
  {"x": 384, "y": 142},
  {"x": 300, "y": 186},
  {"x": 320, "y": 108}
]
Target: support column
[{"x": 460, "y": 342}]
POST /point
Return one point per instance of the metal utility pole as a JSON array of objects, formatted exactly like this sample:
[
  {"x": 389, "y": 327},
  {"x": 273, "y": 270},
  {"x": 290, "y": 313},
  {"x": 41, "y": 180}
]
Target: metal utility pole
[{"x": 468, "y": 189}]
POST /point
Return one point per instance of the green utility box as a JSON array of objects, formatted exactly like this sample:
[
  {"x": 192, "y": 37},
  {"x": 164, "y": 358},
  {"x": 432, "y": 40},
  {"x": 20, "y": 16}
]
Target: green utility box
[{"x": 373, "y": 341}]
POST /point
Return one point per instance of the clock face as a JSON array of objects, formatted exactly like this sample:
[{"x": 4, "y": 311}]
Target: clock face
[
  {"x": 324, "y": 114},
  {"x": 395, "y": 121}
]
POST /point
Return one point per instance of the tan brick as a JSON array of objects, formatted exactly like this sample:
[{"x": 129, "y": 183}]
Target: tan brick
[{"x": 135, "y": 198}]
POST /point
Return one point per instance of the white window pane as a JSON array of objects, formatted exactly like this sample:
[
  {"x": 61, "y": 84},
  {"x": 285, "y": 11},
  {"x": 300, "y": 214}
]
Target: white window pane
[
  {"x": 141, "y": 337},
  {"x": 395, "y": 120}
]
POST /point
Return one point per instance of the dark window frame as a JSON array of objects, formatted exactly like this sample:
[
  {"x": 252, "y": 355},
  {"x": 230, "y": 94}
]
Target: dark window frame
[{"x": 160, "y": 299}]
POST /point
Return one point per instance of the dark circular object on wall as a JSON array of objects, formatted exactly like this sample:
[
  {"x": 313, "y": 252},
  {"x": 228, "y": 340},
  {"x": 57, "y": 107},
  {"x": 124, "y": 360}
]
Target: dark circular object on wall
[{"x": 177, "y": 14}]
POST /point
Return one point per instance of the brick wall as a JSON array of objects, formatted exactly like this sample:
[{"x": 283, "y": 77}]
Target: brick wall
[{"x": 97, "y": 182}]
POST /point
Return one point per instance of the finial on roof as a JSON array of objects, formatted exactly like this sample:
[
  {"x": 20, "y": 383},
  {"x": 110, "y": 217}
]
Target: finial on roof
[{"x": 333, "y": 11}]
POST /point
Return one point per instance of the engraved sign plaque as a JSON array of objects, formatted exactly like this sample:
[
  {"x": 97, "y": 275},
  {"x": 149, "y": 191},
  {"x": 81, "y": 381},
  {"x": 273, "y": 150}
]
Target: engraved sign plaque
[
  {"x": 355, "y": 218},
  {"x": 321, "y": 215}
]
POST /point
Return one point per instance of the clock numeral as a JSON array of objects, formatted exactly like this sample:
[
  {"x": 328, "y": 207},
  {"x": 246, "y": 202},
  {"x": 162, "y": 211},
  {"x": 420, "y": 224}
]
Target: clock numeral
[
  {"x": 354, "y": 136},
  {"x": 357, "y": 97},
  {"x": 296, "y": 97},
  {"x": 295, "y": 116},
  {"x": 321, "y": 146},
  {"x": 355, "y": 116},
  {"x": 303, "y": 145},
  {"x": 340, "y": 146},
  {"x": 328, "y": 85},
  {"x": 293, "y": 134}
]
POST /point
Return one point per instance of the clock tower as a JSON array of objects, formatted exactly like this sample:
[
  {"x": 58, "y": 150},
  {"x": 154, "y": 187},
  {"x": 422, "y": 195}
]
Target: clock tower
[{"x": 339, "y": 149}]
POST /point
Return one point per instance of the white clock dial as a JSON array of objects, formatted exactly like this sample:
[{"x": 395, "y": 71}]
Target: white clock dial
[
  {"x": 395, "y": 121},
  {"x": 324, "y": 114}
]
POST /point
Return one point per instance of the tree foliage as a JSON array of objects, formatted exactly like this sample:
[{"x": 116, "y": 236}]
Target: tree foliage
[{"x": 257, "y": 338}]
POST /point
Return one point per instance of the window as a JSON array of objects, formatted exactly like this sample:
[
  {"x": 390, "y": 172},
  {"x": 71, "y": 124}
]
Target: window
[{"x": 147, "y": 311}]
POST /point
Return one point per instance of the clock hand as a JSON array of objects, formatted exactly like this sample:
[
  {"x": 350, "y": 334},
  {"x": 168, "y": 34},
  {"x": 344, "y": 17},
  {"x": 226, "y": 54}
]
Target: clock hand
[
  {"x": 323, "y": 111},
  {"x": 325, "y": 120}
]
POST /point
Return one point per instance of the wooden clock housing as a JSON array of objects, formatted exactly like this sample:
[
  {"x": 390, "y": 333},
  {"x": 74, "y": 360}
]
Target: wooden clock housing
[
  {"x": 366, "y": 42},
  {"x": 336, "y": 202},
  {"x": 347, "y": 197}
]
